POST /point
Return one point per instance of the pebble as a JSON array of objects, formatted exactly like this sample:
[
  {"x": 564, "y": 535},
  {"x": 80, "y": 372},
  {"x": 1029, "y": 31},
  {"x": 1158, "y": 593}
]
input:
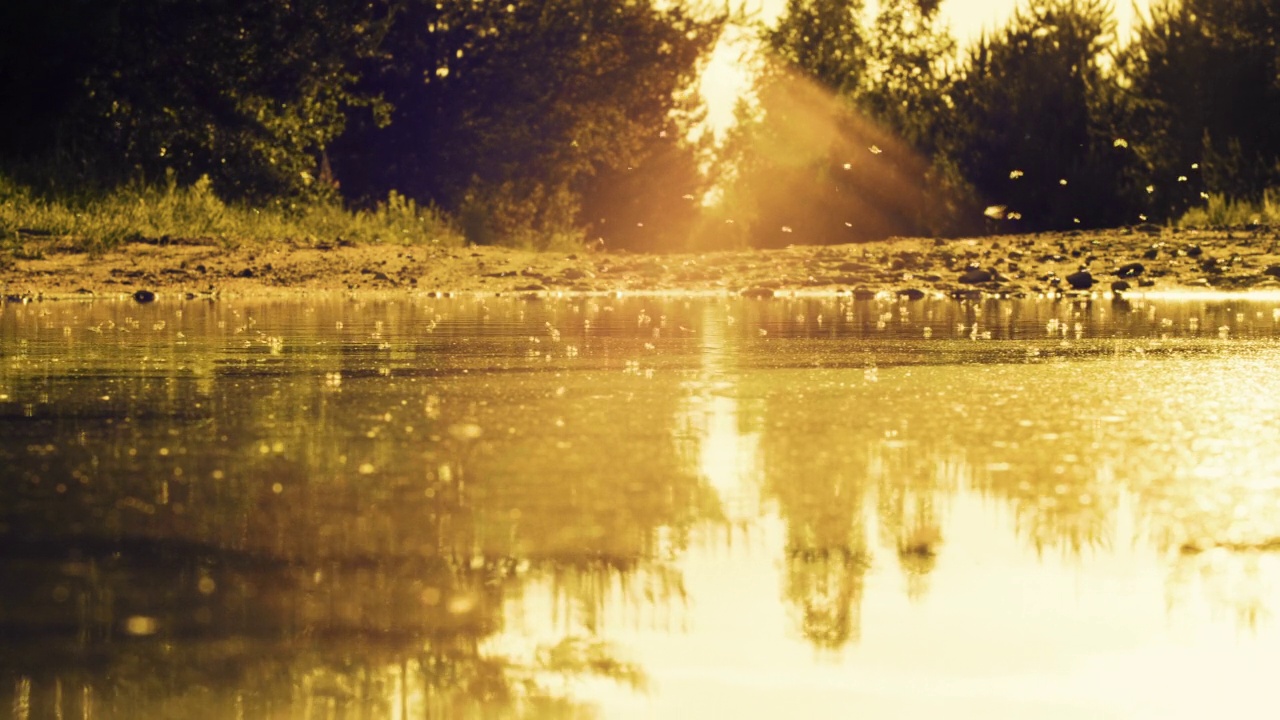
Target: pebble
[
  {"x": 1131, "y": 270},
  {"x": 1082, "y": 280},
  {"x": 972, "y": 276},
  {"x": 144, "y": 296}
]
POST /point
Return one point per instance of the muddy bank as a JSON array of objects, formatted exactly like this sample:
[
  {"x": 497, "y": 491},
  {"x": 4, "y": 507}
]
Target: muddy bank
[{"x": 1126, "y": 260}]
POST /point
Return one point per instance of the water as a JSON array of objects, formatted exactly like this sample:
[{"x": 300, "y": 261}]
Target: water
[{"x": 639, "y": 507}]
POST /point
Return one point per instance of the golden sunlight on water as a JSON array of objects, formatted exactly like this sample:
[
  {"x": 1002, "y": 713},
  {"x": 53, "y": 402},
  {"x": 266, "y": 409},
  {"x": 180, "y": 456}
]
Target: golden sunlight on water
[{"x": 640, "y": 507}]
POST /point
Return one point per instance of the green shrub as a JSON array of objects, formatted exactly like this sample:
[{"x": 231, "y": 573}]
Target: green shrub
[
  {"x": 99, "y": 220},
  {"x": 1220, "y": 211}
]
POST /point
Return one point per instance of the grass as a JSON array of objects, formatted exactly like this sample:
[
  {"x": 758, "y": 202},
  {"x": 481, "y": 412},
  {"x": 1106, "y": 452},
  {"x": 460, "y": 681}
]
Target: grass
[
  {"x": 98, "y": 221},
  {"x": 1221, "y": 211}
]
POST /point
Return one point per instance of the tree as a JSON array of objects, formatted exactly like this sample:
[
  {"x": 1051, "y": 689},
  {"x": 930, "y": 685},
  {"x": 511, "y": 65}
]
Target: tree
[
  {"x": 247, "y": 92},
  {"x": 837, "y": 146},
  {"x": 823, "y": 39},
  {"x": 46, "y": 49},
  {"x": 1204, "y": 84},
  {"x": 1032, "y": 128},
  {"x": 507, "y": 112}
]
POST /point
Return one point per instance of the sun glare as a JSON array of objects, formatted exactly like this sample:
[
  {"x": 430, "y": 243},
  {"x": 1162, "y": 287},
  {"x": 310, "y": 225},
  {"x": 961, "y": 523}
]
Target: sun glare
[{"x": 727, "y": 77}]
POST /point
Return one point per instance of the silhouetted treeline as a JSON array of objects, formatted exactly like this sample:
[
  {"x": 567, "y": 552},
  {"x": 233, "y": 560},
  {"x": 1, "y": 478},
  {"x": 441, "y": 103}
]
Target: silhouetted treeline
[
  {"x": 531, "y": 120},
  {"x": 1047, "y": 123},
  {"x": 525, "y": 119}
]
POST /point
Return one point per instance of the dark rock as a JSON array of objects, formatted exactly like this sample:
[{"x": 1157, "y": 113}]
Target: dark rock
[
  {"x": 245, "y": 273},
  {"x": 1193, "y": 251},
  {"x": 759, "y": 293},
  {"x": 1131, "y": 270},
  {"x": 854, "y": 267},
  {"x": 573, "y": 273},
  {"x": 911, "y": 294},
  {"x": 144, "y": 296},
  {"x": 862, "y": 293},
  {"x": 973, "y": 276},
  {"x": 1272, "y": 270},
  {"x": 1119, "y": 286},
  {"x": 1151, "y": 253},
  {"x": 1146, "y": 282},
  {"x": 1082, "y": 280}
]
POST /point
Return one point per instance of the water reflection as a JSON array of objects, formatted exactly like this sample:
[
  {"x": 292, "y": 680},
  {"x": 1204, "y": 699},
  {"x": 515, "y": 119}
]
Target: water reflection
[{"x": 474, "y": 506}]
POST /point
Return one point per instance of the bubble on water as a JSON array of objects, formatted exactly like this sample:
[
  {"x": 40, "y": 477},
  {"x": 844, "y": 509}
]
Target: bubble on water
[
  {"x": 206, "y": 585},
  {"x": 462, "y": 603},
  {"x": 140, "y": 625},
  {"x": 277, "y": 488},
  {"x": 465, "y": 431}
]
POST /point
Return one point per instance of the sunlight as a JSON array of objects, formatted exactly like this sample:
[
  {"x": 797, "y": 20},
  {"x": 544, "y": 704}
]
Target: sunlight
[{"x": 727, "y": 77}]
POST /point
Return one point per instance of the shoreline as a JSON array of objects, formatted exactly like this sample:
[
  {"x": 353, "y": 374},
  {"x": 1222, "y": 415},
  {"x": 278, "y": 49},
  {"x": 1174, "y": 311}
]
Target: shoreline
[{"x": 1128, "y": 261}]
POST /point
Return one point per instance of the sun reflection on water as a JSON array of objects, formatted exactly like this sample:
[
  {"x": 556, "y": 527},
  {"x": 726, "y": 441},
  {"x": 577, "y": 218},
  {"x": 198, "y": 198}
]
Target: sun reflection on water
[{"x": 826, "y": 515}]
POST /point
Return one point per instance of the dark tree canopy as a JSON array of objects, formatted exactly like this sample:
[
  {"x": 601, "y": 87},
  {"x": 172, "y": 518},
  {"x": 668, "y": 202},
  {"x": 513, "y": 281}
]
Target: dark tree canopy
[
  {"x": 1031, "y": 131},
  {"x": 247, "y": 92},
  {"x": 508, "y": 112},
  {"x": 1204, "y": 89},
  {"x": 531, "y": 121}
]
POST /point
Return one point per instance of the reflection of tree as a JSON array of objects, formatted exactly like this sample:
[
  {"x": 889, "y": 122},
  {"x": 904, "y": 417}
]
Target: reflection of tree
[
  {"x": 821, "y": 495},
  {"x": 326, "y": 524}
]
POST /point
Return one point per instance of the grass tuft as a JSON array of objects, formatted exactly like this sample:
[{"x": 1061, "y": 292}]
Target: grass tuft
[
  {"x": 98, "y": 221},
  {"x": 1219, "y": 211}
]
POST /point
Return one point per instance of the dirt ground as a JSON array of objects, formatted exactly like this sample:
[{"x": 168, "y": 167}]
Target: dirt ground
[{"x": 1132, "y": 260}]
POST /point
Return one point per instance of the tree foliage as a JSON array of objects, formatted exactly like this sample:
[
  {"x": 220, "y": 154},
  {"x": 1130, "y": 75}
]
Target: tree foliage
[
  {"x": 838, "y": 146},
  {"x": 1033, "y": 130},
  {"x": 508, "y": 112},
  {"x": 247, "y": 92},
  {"x": 1204, "y": 89}
]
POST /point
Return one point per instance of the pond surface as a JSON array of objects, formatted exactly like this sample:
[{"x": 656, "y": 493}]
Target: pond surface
[{"x": 639, "y": 507}]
